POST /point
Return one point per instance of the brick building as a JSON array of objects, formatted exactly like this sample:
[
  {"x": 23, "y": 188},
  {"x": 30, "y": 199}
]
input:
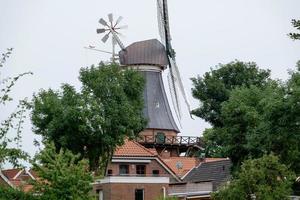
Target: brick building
[
  {"x": 17, "y": 178},
  {"x": 136, "y": 172}
]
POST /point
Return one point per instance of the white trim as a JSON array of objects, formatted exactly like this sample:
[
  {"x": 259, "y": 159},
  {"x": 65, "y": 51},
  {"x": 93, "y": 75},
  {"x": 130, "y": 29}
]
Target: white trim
[
  {"x": 167, "y": 168},
  {"x": 187, "y": 173},
  {"x": 130, "y": 161},
  {"x": 18, "y": 174},
  {"x": 186, "y": 194},
  {"x": 28, "y": 172},
  {"x": 128, "y": 179},
  {"x": 145, "y": 68},
  {"x": 6, "y": 180}
]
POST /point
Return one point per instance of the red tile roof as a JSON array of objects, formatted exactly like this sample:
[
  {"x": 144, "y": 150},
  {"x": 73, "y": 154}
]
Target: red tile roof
[
  {"x": 187, "y": 164},
  {"x": 133, "y": 149},
  {"x": 10, "y": 173},
  {"x": 21, "y": 181}
]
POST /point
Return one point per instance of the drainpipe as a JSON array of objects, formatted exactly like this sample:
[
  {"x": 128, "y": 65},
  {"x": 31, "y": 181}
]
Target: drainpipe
[{"x": 164, "y": 192}]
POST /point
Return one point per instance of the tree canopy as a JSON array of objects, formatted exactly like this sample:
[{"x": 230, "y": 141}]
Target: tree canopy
[
  {"x": 262, "y": 120},
  {"x": 215, "y": 86},
  {"x": 296, "y": 24},
  {"x": 95, "y": 120},
  {"x": 264, "y": 178},
  {"x": 62, "y": 175},
  {"x": 255, "y": 118}
]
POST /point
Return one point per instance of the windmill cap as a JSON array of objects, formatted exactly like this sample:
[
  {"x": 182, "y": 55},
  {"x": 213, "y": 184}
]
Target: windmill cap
[{"x": 147, "y": 52}]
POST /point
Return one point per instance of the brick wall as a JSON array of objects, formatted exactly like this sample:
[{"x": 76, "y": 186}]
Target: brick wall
[{"x": 126, "y": 191}]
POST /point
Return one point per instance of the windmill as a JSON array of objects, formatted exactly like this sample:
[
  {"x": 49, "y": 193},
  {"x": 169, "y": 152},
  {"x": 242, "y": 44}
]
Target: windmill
[
  {"x": 151, "y": 58},
  {"x": 174, "y": 78},
  {"x": 112, "y": 29}
]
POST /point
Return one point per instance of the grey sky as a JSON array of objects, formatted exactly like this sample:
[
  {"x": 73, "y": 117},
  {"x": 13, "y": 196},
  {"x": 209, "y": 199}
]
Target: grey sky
[{"x": 49, "y": 36}]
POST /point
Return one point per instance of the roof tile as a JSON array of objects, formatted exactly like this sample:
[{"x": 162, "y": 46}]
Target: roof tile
[
  {"x": 187, "y": 164},
  {"x": 134, "y": 149}
]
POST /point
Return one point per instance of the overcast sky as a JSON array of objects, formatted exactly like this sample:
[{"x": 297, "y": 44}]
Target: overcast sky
[{"x": 49, "y": 36}]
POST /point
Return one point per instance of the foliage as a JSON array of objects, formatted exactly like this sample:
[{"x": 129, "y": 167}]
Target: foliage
[
  {"x": 215, "y": 86},
  {"x": 95, "y": 120},
  {"x": 13, "y": 122},
  {"x": 296, "y": 24},
  {"x": 213, "y": 144},
  {"x": 62, "y": 175},
  {"x": 264, "y": 178},
  {"x": 262, "y": 120},
  {"x": 8, "y": 193}
]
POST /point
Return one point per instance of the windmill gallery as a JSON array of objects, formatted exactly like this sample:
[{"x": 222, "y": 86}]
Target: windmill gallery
[{"x": 159, "y": 162}]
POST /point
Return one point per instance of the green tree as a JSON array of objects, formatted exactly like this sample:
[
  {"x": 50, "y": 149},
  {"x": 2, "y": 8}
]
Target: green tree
[
  {"x": 62, "y": 175},
  {"x": 296, "y": 24},
  {"x": 11, "y": 125},
  {"x": 260, "y": 120},
  {"x": 95, "y": 120},
  {"x": 8, "y": 193},
  {"x": 261, "y": 179},
  {"x": 215, "y": 86}
]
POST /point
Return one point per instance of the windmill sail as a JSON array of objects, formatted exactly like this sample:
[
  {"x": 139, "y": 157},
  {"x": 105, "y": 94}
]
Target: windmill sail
[
  {"x": 161, "y": 24},
  {"x": 175, "y": 81}
]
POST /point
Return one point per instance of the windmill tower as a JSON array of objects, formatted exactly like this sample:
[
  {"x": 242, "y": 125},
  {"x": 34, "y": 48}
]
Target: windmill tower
[{"x": 151, "y": 58}]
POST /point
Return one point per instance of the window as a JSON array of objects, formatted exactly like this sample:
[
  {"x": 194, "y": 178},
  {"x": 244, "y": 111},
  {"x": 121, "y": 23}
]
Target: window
[
  {"x": 139, "y": 194},
  {"x": 123, "y": 169},
  {"x": 155, "y": 172},
  {"x": 109, "y": 172},
  {"x": 141, "y": 169}
]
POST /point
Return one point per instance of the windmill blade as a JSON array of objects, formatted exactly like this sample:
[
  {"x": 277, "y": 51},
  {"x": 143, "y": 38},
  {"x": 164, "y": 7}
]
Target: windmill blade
[
  {"x": 174, "y": 95},
  {"x": 118, "y": 20},
  {"x": 117, "y": 39},
  {"x": 165, "y": 21},
  {"x": 110, "y": 17},
  {"x": 105, "y": 38},
  {"x": 175, "y": 73},
  {"x": 103, "y": 22},
  {"x": 120, "y": 34},
  {"x": 160, "y": 20},
  {"x": 101, "y": 30},
  {"x": 123, "y": 27}
]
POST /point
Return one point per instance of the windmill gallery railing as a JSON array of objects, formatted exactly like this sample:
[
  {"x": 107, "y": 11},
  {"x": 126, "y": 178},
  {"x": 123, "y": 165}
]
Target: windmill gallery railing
[{"x": 171, "y": 140}]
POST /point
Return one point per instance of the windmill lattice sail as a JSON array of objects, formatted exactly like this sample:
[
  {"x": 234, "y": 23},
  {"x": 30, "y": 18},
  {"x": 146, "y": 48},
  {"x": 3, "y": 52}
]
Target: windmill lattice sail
[{"x": 175, "y": 82}]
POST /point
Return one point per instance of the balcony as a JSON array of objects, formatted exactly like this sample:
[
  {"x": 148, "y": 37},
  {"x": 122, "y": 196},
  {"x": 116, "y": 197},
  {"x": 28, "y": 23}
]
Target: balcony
[
  {"x": 170, "y": 140},
  {"x": 134, "y": 179}
]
